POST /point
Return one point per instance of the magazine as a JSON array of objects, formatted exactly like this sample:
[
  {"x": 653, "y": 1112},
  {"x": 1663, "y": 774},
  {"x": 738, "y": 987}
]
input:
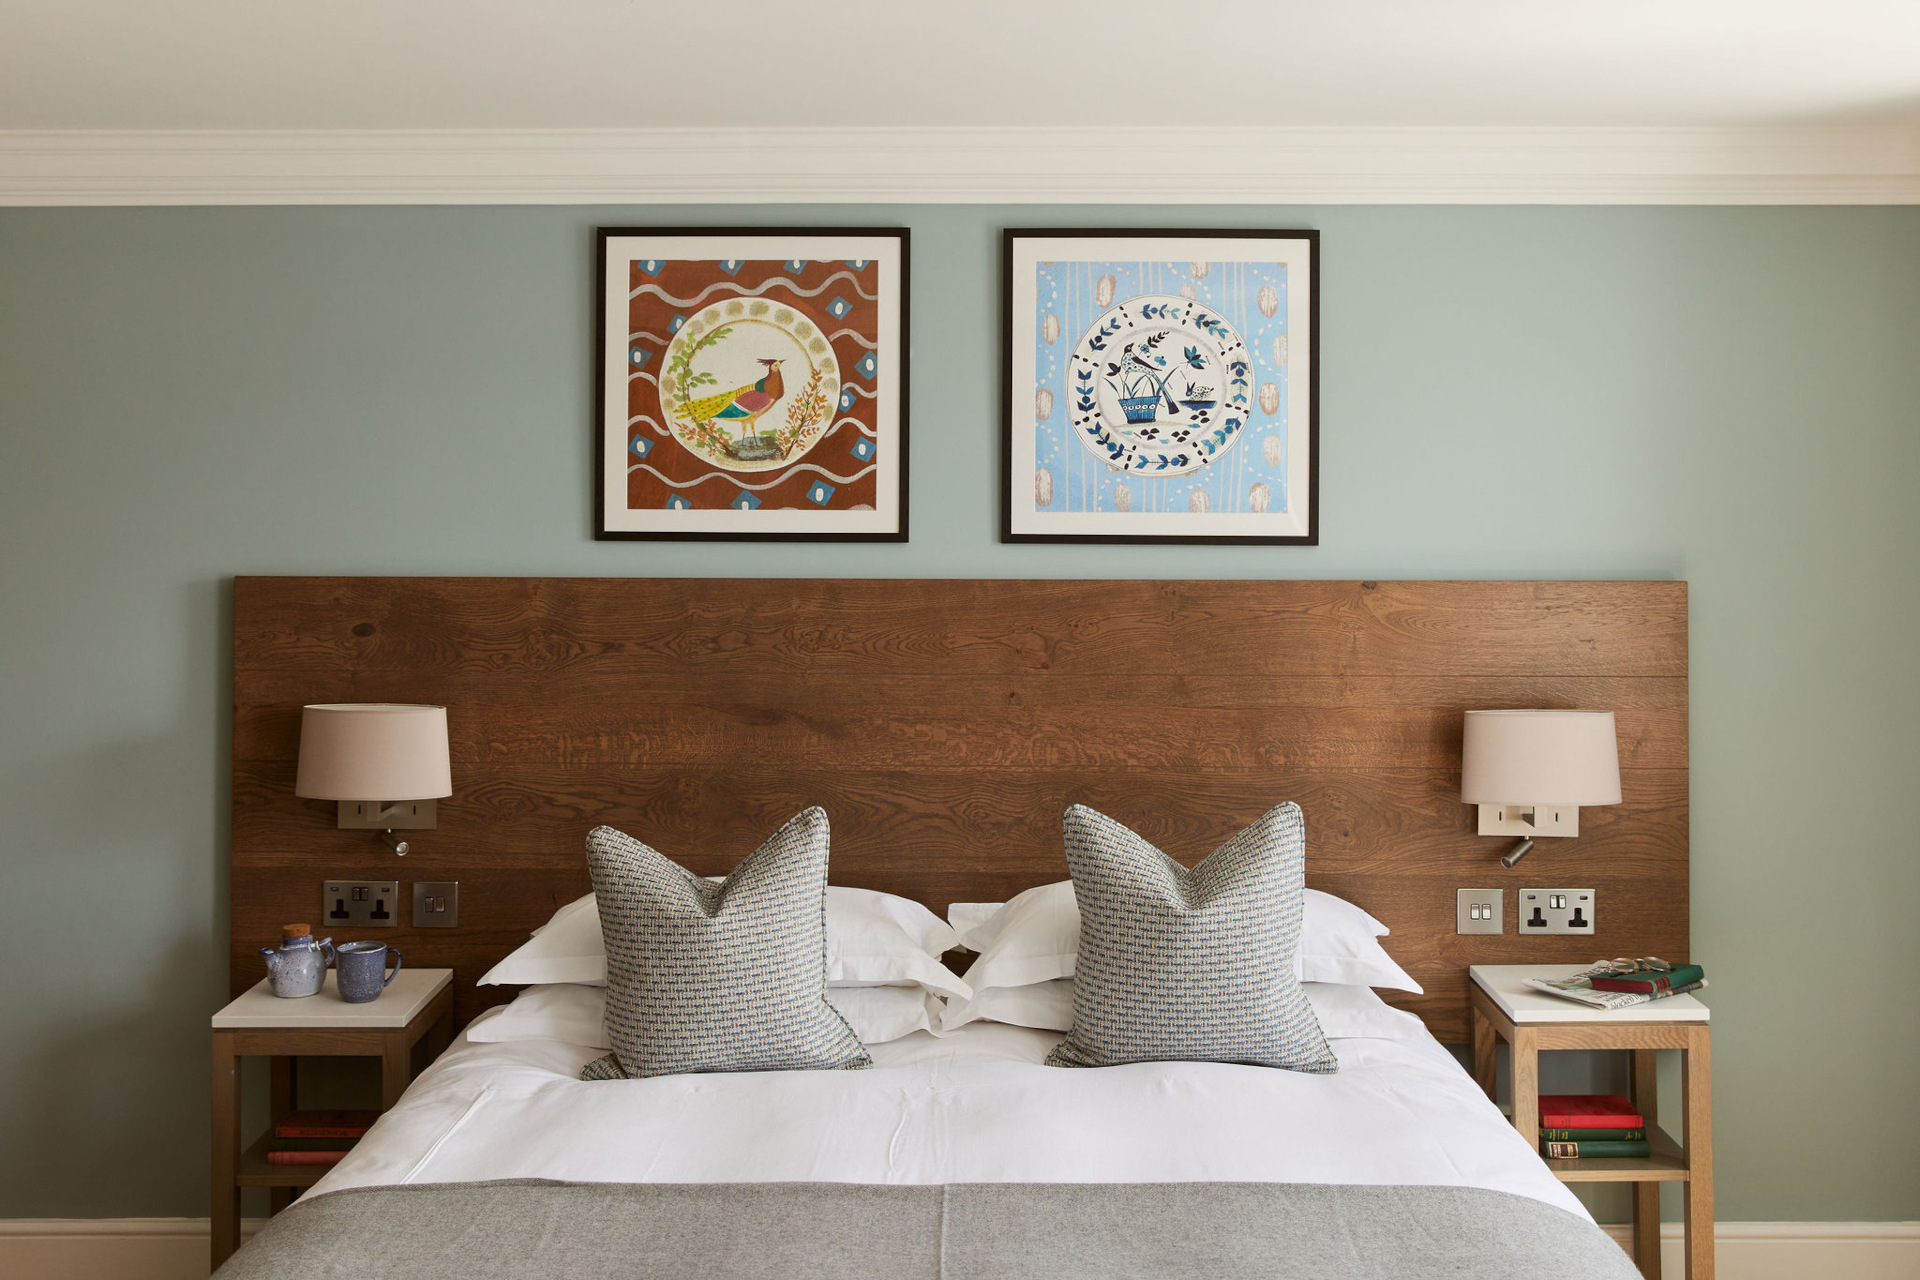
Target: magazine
[{"x": 1580, "y": 987}]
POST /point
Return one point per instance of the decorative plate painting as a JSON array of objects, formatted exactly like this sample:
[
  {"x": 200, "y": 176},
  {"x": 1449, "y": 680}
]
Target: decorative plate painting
[
  {"x": 1161, "y": 386},
  {"x": 753, "y": 384}
]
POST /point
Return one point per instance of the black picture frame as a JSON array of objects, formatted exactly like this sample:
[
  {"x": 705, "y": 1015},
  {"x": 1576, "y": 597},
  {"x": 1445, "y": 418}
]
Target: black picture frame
[
  {"x": 894, "y": 389},
  {"x": 1012, "y": 406}
]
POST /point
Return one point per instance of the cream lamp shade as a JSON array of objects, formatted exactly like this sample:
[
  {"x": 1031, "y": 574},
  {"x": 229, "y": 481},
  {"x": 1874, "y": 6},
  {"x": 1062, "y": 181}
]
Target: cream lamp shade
[
  {"x": 1540, "y": 758},
  {"x": 373, "y": 751}
]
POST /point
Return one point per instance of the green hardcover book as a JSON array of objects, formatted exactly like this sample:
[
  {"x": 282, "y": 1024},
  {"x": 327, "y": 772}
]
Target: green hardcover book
[
  {"x": 1594, "y": 1150},
  {"x": 1680, "y": 978},
  {"x": 1593, "y": 1135}
]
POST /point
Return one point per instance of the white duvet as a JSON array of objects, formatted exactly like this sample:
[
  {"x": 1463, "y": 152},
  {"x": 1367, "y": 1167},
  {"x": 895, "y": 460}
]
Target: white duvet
[{"x": 972, "y": 1106}]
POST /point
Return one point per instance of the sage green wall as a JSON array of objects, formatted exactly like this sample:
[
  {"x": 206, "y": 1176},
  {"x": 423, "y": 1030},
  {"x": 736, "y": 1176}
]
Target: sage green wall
[{"x": 1729, "y": 396}]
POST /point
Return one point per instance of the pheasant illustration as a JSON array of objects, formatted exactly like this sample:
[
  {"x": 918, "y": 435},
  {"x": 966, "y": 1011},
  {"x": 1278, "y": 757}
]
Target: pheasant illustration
[{"x": 743, "y": 405}]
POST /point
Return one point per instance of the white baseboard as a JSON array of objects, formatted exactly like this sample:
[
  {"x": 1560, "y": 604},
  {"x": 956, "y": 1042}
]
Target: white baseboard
[
  {"x": 1795, "y": 1250},
  {"x": 176, "y": 1249},
  {"x": 108, "y": 1248}
]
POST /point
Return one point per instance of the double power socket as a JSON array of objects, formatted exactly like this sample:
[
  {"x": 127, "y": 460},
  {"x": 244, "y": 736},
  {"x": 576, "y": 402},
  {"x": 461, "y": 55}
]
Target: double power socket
[
  {"x": 375, "y": 904},
  {"x": 1540, "y": 911}
]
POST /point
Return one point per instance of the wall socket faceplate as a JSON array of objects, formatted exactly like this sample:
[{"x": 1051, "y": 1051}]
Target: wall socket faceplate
[
  {"x": 436, "y": 904},
  {"x": 1556, "y": 911},
  {"x": 1480, "y": 911},
  {"x": 374, "y": 904}
]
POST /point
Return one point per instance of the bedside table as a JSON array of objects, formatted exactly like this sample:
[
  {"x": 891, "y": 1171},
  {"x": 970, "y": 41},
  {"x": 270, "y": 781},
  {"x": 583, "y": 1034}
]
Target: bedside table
[
  {"x": 1530, "y": 1021},
  {"x": 417, "y": 1005}
]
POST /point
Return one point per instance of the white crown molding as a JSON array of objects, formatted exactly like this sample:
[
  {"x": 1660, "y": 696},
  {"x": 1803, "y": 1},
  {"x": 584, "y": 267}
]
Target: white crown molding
[{"x": 1335, "y": 165}]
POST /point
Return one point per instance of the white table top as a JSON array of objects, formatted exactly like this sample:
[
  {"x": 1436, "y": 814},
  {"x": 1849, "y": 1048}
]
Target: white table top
[
  {"x": 410, "y": 991},
  {"x": 1506, "y": 984}
]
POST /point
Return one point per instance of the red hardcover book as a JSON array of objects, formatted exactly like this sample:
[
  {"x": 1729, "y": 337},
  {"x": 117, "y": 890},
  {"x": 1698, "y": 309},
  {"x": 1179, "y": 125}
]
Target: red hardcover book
[
  {"x": 325, "y": 1124},
  {"x": 1588, "y": 1111},
  {"x": 305, "y": 1157}
]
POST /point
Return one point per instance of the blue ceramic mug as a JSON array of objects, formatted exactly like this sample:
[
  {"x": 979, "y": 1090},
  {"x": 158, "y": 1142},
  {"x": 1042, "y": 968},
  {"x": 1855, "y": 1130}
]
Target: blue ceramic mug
[{"x": 362, "y": 970}]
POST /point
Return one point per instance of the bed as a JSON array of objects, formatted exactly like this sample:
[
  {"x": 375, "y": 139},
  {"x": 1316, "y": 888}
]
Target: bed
[{"x": 944, "y": 725}]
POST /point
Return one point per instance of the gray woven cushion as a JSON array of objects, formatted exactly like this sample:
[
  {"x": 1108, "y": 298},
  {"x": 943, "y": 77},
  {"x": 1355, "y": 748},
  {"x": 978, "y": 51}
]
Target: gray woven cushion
[
  {"x": 727, "y": 976},
  {"x": 1192, "y": 966}
]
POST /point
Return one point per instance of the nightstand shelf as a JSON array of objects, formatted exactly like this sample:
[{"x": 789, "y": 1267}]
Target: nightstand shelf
[
  {"x": 1668, "y": 1163},
  {"x": 1531, "y": 1022},
  {"x": 253, "y": 1169},
  {"x": 417, "y": 1005}
]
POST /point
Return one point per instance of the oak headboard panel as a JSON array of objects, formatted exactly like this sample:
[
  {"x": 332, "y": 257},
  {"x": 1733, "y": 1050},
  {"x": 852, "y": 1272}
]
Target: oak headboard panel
[{"x": 945, "y": 724}]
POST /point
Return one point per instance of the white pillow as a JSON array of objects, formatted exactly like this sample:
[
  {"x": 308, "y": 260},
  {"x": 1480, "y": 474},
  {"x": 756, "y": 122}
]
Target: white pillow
[
  {"x": 1036, "y": 936},
  {"x": 1344, "y": 1011},
  {"x": 873, "y": 939},
  {"x": 577, "y": 1014},
  {"x": 1046, "y": 1005},
  {"x": 555, "y": 1011}
]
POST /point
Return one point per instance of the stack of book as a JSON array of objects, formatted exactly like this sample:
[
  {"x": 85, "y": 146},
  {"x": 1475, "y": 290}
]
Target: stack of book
[
  {"x": 317, "y": 1137},
  {"x": 1588, "y": 1126}
]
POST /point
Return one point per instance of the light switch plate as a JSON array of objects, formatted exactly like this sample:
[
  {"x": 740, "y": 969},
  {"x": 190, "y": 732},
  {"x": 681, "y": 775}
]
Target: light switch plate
[
  {"x": 1480, "y": 911},
  {"x": 370, "y": 904},
  {"x": 436, "y": 904},
  {"x": 1556, "y": 910}
]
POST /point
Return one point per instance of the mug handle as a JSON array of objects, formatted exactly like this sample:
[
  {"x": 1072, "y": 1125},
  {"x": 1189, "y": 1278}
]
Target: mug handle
[{"x": 397, "y": 958}]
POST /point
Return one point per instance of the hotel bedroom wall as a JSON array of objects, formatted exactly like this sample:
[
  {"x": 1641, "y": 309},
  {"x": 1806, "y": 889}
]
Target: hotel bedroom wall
[{"x": 1726, "y": 396}]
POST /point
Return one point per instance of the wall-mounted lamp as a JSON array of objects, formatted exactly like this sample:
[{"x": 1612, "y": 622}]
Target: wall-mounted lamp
[
  {"x": 386, "y": 763},
  {"x": 1530, "y": 771}
]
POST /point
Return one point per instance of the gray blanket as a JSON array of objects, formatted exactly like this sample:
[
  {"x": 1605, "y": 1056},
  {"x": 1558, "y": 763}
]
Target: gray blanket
[{"x": 986, "y": 1231}]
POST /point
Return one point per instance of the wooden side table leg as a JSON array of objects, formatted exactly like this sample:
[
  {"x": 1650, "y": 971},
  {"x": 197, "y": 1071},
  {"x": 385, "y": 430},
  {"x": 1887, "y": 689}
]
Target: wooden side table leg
[
  {"x": 396, "y": 1067},
  {"x": 1483, "y": 1069},
  {"x": 1646, "y": 1195},
  {"x": 282, "y": 1092},
  {"x": 225, "y": 1206},
  {"x": 1526, "y": 1083},
  {"x": 1696, "y": 1091}
]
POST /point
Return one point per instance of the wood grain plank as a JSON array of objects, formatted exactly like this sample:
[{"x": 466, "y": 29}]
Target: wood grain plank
[
  {"x": 1381, "y": 821},
  {"x": 519, "y": 626},
  {"x": 946, "y": 728}
]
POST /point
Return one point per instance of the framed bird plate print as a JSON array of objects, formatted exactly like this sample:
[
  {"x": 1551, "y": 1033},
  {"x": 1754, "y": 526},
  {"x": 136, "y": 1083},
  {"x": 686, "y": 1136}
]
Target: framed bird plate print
[
  {"x": 1161, "y": 386},
  {"x": 753, "y": 384}
]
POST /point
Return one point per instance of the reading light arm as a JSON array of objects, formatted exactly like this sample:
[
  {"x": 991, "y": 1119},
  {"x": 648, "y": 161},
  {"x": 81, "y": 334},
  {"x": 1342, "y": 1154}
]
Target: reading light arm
[{"x": 1520, "y": 851}]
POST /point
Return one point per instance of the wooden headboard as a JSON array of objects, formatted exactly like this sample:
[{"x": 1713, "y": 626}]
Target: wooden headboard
[{"x": 945, "y": 724}]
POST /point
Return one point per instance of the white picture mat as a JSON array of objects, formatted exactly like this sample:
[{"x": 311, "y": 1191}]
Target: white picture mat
[
  {"x": 1295, "y": 252},
  {"x": 622, "y": 252}
]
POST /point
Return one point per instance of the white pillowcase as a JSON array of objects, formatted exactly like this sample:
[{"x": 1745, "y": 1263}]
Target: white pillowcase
[
  {"x": 563, "y": 1011},
  {"x": 1344, "y": 1011},
  {"x": 873, "y": 939},
  {"x": 577, "y": 1014},
  {"x": 1035, "y": 937}
]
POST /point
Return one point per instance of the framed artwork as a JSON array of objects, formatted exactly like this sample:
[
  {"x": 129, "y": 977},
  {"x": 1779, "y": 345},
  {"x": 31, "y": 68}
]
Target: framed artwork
[
  {"x": 753, "y": 384},
  {"x": 1161, "y": 386}
]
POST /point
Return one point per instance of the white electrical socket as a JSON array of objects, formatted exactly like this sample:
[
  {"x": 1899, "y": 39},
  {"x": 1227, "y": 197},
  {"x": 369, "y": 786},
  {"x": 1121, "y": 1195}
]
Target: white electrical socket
[{"x": 1556, "y": 910}]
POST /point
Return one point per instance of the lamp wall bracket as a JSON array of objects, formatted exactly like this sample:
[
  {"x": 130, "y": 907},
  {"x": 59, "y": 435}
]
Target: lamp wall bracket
[
  {"x": 389, "y": 815},
  {"x": 1529, "y": 820}
]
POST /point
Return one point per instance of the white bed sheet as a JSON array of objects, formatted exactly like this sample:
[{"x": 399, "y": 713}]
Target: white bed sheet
[{"x": 975, "y": 1105}]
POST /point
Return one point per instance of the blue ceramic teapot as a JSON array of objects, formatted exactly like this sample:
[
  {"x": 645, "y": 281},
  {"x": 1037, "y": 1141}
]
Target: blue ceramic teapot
[{"x": 299, "y": 967}]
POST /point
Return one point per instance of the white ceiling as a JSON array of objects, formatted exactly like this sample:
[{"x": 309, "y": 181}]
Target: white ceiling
[{"x": 587, "y": 64}]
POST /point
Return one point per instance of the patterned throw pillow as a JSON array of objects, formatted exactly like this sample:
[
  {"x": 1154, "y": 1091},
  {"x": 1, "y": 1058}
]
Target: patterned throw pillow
[
  {"x": 1194, "y": 966},
  {"x": 727, "y": 976}
]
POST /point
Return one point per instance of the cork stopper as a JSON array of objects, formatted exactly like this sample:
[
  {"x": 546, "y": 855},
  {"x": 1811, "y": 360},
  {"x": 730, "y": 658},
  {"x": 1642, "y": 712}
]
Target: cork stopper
[{"x": 296, "y": 930}]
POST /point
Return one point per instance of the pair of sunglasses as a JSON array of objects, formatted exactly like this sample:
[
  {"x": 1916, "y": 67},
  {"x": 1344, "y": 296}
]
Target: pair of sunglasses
[{"x": 1623, "y": 965}]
